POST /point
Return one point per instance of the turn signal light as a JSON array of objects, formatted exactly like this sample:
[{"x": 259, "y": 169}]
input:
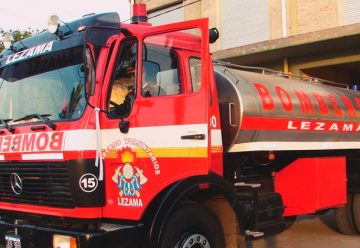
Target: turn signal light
[{"x": 62, "y": 241}]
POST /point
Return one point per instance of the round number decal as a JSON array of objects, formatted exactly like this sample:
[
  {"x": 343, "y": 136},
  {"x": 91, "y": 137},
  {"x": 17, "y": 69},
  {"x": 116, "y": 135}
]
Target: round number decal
[
  {"x": 213, "y": 121},
  {"x": 88, "y": 182}
]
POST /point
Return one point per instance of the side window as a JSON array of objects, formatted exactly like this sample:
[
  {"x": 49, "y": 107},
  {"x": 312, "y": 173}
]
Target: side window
[
  {"x": 195, "y": 73},
  {"x": 122, "y": 92},
  {"x": 160, "y": 69}
]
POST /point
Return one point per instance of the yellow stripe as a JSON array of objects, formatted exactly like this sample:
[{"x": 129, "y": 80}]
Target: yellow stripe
[
  {"x": 168, "y": 152},
  {"x": 216, "y": 149}
]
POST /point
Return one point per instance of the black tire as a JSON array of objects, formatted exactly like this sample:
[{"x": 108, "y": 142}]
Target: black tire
[
  {"x": 192, "y": 221},
  {"x": 344, "y": 217},
  {"x": 356, "y": 211}
]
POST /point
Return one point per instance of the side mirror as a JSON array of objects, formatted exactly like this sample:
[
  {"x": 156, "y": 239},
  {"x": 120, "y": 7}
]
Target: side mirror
[
  {"x": 213, "y": 35},
  {"x": 96, "y": 37},
  {"x": 89, "y": 73},
  {"x": 124, "y": 126}
]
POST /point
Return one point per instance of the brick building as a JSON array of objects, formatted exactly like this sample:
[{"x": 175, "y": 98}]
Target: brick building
[{"x": 319, "y": 38}]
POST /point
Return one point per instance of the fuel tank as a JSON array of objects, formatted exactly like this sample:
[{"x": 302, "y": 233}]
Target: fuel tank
[{"x": 268, "y": 113}]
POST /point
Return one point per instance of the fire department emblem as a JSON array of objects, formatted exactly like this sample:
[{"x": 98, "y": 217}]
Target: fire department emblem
[{"x": 129, "y": 178}]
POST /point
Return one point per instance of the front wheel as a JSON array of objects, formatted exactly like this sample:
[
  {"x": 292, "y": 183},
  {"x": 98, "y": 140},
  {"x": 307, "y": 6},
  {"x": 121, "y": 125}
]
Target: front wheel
[{"x": 192, "y": 226}]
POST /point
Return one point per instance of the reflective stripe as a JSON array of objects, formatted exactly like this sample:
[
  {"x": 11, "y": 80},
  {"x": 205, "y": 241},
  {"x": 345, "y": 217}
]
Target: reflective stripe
[
  {"x": 292, "y": 146},
  {"x": 216, "y": 138},
  {"x": 167, "y": 152},
  {"x": 159, "y": 136},
  {"x": 42, "y": 156}
]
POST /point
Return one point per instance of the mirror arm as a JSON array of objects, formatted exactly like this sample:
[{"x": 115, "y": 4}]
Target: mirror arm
[
  {"x": 123, "y": 125},
  {"x": 93, "y": 107}
]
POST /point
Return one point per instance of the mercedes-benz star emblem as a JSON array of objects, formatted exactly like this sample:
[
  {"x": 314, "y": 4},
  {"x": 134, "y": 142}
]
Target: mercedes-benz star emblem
[{"x": 16, "y": 183}]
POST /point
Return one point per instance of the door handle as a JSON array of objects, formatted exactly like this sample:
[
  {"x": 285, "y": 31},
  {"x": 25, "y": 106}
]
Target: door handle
[
  {"x": 193, "y": 136},
  {"x": 231, "y": 107}
]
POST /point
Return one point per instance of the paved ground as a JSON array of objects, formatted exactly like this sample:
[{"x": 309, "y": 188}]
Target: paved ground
[{"x": 308, "y": 232}]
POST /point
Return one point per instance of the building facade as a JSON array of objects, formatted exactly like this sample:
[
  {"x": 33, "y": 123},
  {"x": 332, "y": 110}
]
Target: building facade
[{"x": 318, "y": 38}]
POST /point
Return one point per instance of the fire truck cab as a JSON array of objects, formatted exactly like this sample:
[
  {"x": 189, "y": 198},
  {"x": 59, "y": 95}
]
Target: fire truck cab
[
  {"x": 128, "y": 135},
  {"x": 106, "y": 129}
]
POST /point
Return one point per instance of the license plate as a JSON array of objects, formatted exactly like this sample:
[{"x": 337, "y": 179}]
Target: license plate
[{"x": 12, "y": 241}]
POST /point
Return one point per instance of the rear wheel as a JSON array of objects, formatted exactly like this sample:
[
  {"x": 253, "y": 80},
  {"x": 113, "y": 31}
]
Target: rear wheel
[
  {"x": 344, "y": 217},
  {"x": 192, "y": 226},
  {"x": 356, "y": 211}
]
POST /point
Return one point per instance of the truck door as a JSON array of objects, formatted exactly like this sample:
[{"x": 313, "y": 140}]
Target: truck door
[{"x": 167, "y": 138}]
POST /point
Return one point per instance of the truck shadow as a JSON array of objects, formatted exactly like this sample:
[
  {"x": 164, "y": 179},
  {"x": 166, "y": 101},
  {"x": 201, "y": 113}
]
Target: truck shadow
[
  {"x": 329, "y": 220},
  {"x": 268, "y": 242},
  {"x": 294, "y": 236}
]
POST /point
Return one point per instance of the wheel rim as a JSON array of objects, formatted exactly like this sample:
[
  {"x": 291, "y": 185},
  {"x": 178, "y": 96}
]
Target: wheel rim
[{"x": 195, "y": 241}]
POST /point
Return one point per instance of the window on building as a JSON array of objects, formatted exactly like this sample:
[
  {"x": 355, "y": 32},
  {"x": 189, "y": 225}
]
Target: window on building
[
  {"x": 244, "y": 22},
  {"x": 351, "y": 12}
]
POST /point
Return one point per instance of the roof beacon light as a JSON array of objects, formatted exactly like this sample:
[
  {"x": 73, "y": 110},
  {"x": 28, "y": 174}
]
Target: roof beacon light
[
  {"x": 139, "y": 13},
  {"x": 8, "y": 40},
  {"x": 53, "y": 24}
]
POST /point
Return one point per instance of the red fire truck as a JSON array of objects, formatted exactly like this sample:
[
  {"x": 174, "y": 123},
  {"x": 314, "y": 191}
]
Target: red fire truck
[{"x": 129, "y": 135}]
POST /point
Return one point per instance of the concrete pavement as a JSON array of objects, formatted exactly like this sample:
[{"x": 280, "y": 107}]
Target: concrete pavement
[{"x": 309, "y": 232}]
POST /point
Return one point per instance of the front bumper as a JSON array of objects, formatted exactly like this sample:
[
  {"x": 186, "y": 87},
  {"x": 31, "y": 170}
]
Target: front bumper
[{"x": 110, "y": 235}]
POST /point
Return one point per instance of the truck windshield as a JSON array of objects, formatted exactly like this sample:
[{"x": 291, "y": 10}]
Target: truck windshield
[{"x": 51, "y": 84}]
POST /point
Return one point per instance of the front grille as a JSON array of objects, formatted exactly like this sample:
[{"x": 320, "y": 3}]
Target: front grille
[{"x": 42, "y": 184}]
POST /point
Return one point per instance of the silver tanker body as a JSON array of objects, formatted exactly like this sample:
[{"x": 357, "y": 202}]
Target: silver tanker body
[{"x": 271, "y": 113}]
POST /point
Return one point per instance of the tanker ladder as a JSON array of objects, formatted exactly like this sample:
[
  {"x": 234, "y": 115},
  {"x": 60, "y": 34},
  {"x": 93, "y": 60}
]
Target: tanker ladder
[{"x": 260, "y": 211}]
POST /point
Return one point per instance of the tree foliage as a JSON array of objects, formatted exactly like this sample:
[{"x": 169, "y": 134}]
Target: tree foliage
[{"x": 18, "y": 35}]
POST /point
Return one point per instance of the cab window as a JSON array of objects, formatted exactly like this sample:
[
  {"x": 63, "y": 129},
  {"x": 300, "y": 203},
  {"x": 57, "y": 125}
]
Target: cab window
[
  {"x": 160, "y": 70},
  {"x": 195, "y": 73},
  {"x": 122, "y": 90}
]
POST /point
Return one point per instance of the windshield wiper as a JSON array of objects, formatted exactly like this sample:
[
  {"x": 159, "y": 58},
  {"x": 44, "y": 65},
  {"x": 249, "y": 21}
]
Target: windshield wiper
[
  {"x": 4, "y": 124},
  {"x": 42, "y": 117}
]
